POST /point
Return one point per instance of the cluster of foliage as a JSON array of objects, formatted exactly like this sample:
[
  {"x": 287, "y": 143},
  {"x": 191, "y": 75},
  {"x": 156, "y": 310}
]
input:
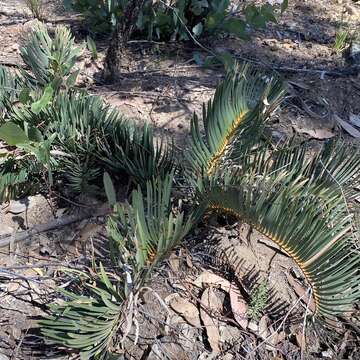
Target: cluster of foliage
[
  {"x": 180, "y": 19},
  {"x": 258, "y": 301},
  {"x": 69, "y": 133},
  {"x": 299, "y": 202},
  {"x": 36, "y": 8}
]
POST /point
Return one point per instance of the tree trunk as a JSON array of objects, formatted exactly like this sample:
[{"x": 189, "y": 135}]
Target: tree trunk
[{"x": 118, "y": 56}]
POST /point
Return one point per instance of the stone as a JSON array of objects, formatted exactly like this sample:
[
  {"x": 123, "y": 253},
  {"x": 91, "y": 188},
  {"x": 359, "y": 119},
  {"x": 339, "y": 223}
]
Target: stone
[
  {"x": 353, "y": 56},
  {"x": 230, "y": 334},
  {"x": 253, "y": 326}
]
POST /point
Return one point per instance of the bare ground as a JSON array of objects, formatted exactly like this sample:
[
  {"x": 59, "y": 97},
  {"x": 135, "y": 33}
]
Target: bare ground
[{"x": 165, "y": 87}]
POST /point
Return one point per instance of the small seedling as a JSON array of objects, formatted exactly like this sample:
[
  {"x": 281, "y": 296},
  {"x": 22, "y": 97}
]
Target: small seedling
[
  {"x": 341, "y": 41},
  {"x": 258, "y": 301}
]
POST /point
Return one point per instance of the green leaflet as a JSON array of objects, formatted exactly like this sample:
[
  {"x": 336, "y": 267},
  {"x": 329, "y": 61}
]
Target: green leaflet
[
  {"x": 300, "y": 206},
  {"x": 46, "y": 97},
  {"x": 233, "y": 120},
  {"x": 12, "y": 134}
]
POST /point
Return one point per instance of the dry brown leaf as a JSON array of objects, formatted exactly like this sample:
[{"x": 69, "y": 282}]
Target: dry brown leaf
[
  {"x": 214, "y": 305},
  {"x": 300, "y": 340},
  {"x": 238, "y": 306},
  {"x": 354, "y": 119},
  {"x": 184, "y": 308},
  {"x": 319, "y": 134},
  {"x": 347, "y": 127},
  {"x": 263, "y": 327},
  {"x": 174, "y": 262},
  {"x": 301, "y": 292},
  {"x": 207, "y": 278},
  {"x": 88, "y": 231}
]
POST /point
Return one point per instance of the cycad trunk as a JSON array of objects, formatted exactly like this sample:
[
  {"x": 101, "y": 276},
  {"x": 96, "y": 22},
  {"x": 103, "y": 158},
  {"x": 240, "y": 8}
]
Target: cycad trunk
[{"x": 118, "y": 56}]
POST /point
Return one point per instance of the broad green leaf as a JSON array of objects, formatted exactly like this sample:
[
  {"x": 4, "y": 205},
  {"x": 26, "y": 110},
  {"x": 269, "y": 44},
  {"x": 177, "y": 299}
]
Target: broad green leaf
[
  {"x": 284, "y": 5},
  {"x": 214, "y": 20},
  {"x": 12, "y": 134},
  {"x": 35, "y": 134},
  {"x": 198, "y": 6},
  {"x": 24, "y": 96},
  {"x": 267, "y": 11},
  {"x": 197, "y": 58},
  {"x": 236, "y": 27},
  {"x": 109, "y": 189},
  {"x": 37, "y": 106},
  {"x": 227, "y": 59},
  {"x": 70, "y": 81},
  {"x": 197, "y": 29}
]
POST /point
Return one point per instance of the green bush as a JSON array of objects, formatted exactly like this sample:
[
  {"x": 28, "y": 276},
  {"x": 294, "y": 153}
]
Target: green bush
[{"x": 181, "y": 19}]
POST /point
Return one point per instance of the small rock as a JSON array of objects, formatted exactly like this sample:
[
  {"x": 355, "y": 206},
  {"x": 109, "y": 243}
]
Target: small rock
[
  {"x": 14, "y": 47},
  {"x": 274, "y": 47},
  {"x": 328, "y": 354},
  {"x": 228, "y": 356},
  {"x": 18, "y": 206},
  {"x": 351, "y": 10},
  {"x": 253, "y": 326},
  {"x": 229, "y": 334},
  {"x": 6, "y": 230},
  {"x": 263, "y": 327},
  {"x": 353, "y": 55}
]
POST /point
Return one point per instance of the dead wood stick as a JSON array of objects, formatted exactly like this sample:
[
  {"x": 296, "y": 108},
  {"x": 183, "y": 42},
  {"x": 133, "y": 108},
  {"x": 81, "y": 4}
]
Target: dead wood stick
[{"x": 51, "y": 225}]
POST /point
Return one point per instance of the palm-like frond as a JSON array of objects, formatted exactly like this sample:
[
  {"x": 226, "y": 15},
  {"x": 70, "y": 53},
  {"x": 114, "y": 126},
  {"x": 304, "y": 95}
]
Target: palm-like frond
[
  {"x": 141, "y": 235},
  {"x": 302, "y": 210},
  {"x": 49, "y": 59},
  {"x": 89, "y": 318},
  {"x": 9, "y": 89},
  {"x": 233, "y": 120},
  {"x": 134, "y": 150},
  {"x": 337, "y": 165},
  {"x": 144, "y": 232},
  {"x": 15, "y": 176},
  {"x": 98, "y": 136},
  {"x": 11, "y": 183}
]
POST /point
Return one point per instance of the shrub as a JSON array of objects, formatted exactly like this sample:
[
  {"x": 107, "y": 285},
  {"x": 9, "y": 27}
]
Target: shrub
[
  {"x": 175, "y": 20},
  {"x": 36, "y": 7}
]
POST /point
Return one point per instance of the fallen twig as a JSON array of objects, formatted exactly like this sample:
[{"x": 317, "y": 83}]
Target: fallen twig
[{"x": 51, "y": 225}]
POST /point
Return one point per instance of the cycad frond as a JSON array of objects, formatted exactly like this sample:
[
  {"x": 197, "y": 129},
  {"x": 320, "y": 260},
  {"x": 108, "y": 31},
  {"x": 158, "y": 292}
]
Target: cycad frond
[
  {"x": 9, "y": 89},
  {"x": 49, "y": 59},
  {"x": 134, "y": 150},
  {"x": 144, "y": 232},
  {"x": 98, "y": 134},
  {"x": 337, "y": 165},
  {"x": 88, "y": 320},
  {"x": 11, "y": 183},
  {"x": 233, "y": 119},
  {"x": 307, "y": 218},
  {"x": 15, "y": 176}
]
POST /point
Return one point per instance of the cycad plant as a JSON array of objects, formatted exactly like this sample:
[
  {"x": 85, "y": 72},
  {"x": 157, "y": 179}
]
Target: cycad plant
[
  {"x": 87, "y": 136},
  {"x": 141, "y": 235},
  {"x": 301, "y": 202},
  {"x": 50, "y": 60}
]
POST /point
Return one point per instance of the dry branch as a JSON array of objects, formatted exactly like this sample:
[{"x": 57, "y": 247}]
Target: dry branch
[{"x": 51, "y": 225}]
